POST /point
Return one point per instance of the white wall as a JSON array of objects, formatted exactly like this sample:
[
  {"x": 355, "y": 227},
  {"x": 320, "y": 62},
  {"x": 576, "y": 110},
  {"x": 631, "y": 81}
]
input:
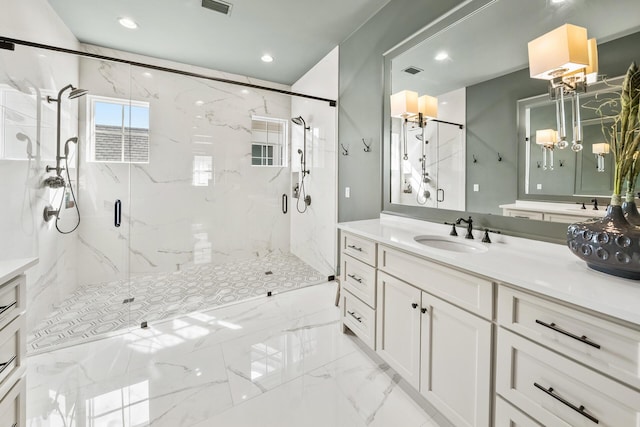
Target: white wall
[
  {"x": 27, "y": 76},
  {"x": 313, "y": 234}
]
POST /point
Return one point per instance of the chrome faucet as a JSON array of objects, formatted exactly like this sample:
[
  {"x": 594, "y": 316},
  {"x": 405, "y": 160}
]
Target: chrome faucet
[{"x": 469, "y": 223}]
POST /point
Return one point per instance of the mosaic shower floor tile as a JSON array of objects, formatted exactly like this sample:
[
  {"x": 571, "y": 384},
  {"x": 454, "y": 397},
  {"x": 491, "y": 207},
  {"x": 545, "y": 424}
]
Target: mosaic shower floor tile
[{"x": 97, "y": 309}]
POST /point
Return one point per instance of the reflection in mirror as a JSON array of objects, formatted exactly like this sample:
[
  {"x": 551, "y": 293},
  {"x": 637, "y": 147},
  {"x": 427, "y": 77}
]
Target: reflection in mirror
[{"x": 478, "y": 70}]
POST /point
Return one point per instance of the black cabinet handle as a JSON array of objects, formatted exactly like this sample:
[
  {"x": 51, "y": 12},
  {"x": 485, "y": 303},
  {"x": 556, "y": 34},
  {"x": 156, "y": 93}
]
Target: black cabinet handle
[
  {"x": 581, "y": 409},
  {"x": 4, "y": 365},
  {"x": 414, "y": 305},
  {"x": 582, "y": 339},
  {"x": 7, "y": 307},
  {"x": 355, "y": 248},
  {"x": 439, "y": 193},
  {"x": 353, "y": 314},
  {"x": 423, "y": 310},
  {"x": 117, "y": 213},
  {"x": 285, "y": 203},
  {"x": 354, "y": 277}
]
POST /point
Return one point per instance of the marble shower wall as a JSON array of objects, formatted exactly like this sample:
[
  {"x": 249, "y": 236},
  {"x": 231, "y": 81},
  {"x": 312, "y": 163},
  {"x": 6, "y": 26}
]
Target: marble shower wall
[
  {"x": 235, "y": 214},
  {"x": 27, "y": 146},
  {"x": 313, "y": 233}
]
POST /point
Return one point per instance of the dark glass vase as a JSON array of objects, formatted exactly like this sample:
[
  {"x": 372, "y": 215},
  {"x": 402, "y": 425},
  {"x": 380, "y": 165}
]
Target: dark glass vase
[
  {"x": 631, "y": 213},
  {"x": 610, "y": 244}
]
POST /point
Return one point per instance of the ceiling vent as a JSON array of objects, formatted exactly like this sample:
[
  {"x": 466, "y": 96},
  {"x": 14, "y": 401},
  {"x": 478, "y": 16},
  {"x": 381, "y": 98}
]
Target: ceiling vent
[
  {"x": 217, "y": 6},
  {"x": 412, "y": 70}
]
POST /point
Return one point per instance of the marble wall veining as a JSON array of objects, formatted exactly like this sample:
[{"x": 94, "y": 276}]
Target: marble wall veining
[
  {"x": 27, "y": 146},
  {"x": 313, "y": 236},
  {"x": 169, "y": 221}
]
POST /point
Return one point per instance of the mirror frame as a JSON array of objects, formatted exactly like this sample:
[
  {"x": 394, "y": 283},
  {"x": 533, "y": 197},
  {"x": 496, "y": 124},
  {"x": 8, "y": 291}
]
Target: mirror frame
[{"x": 533, "y": 229}]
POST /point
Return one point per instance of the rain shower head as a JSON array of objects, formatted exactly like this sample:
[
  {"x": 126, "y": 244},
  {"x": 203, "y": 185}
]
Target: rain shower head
[
  {"x": 77, "y": 93},
  {"x": 299, "y": 121}
]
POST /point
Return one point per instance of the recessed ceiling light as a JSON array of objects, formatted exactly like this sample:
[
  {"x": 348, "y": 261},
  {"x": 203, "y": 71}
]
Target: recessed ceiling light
[
  {"x": 147, "y": 74},
  {"x": 199, "y": 103},
  {"x": 245, "y": 91},
  {"x": 441, "y": 56},
  {"x": 557, "y": 1},
  {"x": 267, "y": 58},
  {"x": 128, "y": 23}
]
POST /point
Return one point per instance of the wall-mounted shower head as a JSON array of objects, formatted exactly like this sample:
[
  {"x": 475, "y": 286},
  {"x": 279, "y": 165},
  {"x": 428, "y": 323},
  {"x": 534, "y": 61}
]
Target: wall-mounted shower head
[
  {"x": 300, "y": 122},
  {"x": 77, "y": 93}
]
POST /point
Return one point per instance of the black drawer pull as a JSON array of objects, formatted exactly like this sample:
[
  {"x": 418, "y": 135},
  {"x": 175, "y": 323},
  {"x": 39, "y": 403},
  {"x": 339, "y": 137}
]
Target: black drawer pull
[
  {"x": 354, "y": 277},
  {"x": 7, "y": 307},
  {"x": 582, "y": 339},
  {"x": 423, "y": 310},
  {"x": 353, "y": 314},
  {"x": 355, "y": 248},
  {"x": 414, "y": 305},
  {"x": 4, "y": 365},
  {"x": 579, "y": 409}
]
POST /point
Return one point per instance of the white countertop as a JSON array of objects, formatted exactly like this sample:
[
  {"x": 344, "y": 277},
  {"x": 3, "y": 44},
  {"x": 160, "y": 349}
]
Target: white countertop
[
  {"x": 546, "y": 268},
  {"x": 10, "y": 268},
  {"x": 558, "y": 208}
]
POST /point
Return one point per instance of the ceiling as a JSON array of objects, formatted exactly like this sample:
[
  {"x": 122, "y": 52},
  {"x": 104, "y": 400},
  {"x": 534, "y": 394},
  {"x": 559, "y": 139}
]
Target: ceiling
[
  {"x": 493, "y": 41},
  {"x": 296, "y": 33}
]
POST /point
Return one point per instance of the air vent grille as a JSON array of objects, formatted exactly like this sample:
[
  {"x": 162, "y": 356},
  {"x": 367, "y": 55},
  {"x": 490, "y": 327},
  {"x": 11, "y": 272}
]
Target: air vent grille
[
  {"x": 412, "y": 70},
  {"x": 217, "y": 6}
]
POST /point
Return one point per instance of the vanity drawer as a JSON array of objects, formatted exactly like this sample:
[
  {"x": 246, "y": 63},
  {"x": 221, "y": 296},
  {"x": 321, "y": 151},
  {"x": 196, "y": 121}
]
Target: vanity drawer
[
  {"x": 524, "y": 214},
  {"x": 464, "y": 290},
  {"x": 359, "y": 279},
  {"x": 508, "y": 416},
  {"x": 12, "y": 352},
  {"x": 13, "y": 406},
  {"x": 360, "y": 318},
  {"x": 598, "y": 343},
  {"x": 359, "y": 247},
  {"x": 552, "y": 389},
  {"x": 12, "y": 299}
]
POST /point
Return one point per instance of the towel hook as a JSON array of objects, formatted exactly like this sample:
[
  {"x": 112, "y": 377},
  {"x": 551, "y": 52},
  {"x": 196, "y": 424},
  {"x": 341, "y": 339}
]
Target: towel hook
[
  {"x": 367, "y": 148},
  {"x": 345, "y": 150}
]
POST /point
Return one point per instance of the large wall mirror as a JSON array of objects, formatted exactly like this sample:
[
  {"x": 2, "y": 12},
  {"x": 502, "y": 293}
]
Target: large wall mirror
[{"x": 480, "y": 154}]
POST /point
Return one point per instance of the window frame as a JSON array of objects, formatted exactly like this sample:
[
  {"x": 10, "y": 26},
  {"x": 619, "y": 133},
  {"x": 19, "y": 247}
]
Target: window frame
[
  {"x": 284, "y": 146},
  {"x": 91, "y": 127}
]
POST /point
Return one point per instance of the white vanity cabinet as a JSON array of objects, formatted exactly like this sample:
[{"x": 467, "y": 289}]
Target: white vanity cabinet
[
  {"x": 358, "y": 283},
  {"x": 441, "y": 349},
  {"x": 13, "y": 343},
  {"x": 564, "y": 366}
]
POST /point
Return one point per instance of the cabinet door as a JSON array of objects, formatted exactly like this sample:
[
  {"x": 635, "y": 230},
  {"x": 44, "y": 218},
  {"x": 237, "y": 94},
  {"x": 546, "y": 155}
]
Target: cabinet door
[
  {"x": 398, "y": 328},
  {"x": 455, "y": 362}
]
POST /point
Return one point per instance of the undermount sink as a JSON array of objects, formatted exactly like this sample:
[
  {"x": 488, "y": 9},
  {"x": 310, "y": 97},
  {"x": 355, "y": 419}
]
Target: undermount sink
[{"x": 451, "y": 244}]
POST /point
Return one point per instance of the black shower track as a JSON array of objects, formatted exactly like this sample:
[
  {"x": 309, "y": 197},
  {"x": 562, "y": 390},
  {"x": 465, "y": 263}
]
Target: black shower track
[{"x": 8, "y": 43}]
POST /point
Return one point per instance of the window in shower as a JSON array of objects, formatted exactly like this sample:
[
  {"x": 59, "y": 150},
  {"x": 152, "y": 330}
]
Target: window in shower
[
  {"x": 268, "y": 141},
  {"x": 118, "y": 130}
]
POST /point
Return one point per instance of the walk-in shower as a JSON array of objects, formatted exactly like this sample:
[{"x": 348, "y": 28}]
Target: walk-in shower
[
  {"x": 302, "y": 194},
  {"x": 57, "y": 181}
]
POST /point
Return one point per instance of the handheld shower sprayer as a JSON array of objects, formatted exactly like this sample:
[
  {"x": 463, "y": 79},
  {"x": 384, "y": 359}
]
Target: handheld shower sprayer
[
  {"x": 303, "y": 164},
  {"x": 58, "y": 181}
]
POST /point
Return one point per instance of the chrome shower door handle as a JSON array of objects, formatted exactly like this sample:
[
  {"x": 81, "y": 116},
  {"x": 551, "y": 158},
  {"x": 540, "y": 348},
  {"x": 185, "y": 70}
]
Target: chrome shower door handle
[
  {"x": 440, "y": 197},
  {"x": 117, "y": 213},
  {"x": 285, "y": 204}
]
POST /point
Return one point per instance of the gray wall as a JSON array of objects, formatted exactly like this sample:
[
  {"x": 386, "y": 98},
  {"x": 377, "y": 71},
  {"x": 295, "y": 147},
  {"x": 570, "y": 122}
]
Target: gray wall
[
  {"x": 362, "y": 91},
  {"x": 361, "y": 99}
]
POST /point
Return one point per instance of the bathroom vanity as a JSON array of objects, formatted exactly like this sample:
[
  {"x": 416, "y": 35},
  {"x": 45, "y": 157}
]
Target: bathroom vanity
[
  {"x": 13, "y": 341},
  {"x": 510, "y": 333}
]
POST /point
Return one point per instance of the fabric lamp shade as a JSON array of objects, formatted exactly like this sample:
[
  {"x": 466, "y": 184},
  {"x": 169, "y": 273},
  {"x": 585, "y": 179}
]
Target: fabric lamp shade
[
  {"x": 560, "y": 51},
  {"x": 428, "y": 106},
  {"x": 404, "y": 104},
  {"x": 546, "y": 137},
  {"x": 602, "y": 148}
]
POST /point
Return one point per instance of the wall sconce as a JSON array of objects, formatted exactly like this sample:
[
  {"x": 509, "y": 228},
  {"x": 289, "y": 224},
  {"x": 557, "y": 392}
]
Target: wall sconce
[
  {"x": 569, "y": 61},
  {"x": 408, "y": 106},
  {"x": 600, "y": 150},
  {"x": 547, "y": 139}
]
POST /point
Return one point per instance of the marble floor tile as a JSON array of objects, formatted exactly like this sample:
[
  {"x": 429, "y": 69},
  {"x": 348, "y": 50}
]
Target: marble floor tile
[{"x": 279, "y": 361}]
